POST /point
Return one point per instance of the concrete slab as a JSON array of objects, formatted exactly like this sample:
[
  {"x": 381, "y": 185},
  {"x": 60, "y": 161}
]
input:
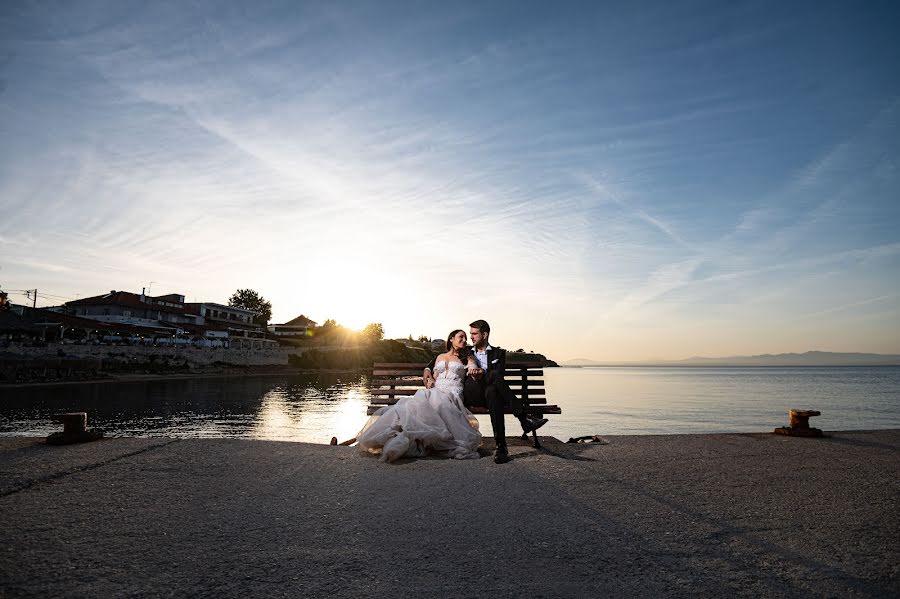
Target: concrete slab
[{"x": 743, "y": 515}]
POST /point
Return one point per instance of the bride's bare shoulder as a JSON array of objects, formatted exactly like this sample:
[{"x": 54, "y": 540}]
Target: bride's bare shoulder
[{"x": 447, "y": 357}]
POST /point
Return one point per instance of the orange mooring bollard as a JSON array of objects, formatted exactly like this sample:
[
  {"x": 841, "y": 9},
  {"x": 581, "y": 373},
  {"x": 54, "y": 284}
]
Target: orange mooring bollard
[{"x": 799, "y": 424}]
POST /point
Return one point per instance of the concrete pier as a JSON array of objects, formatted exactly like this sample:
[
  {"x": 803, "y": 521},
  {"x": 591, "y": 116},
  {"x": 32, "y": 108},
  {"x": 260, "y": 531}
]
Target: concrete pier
[{"x": 681, "y": 515}]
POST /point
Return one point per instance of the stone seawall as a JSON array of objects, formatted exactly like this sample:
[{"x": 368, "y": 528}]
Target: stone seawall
[{"x": 195, "y": 357}]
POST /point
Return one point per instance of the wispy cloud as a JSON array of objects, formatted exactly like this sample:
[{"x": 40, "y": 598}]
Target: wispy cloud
[
  {"x": 845, "y": 307},
  {"x": 544, "y": 166},
  {"x": 661, "y": 281},
  {"x": 604, "y": 193}
]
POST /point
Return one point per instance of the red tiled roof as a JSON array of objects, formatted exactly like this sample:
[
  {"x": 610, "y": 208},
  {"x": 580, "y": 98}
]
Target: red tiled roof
[
  {"x": 124, "y": 298},
  {"x": 300, "y": 321},
  {"x": 78, "y": 322}
]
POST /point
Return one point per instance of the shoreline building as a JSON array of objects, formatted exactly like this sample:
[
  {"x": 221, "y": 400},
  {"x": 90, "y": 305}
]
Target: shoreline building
[
  {"x": 168, "y": 319},
  {"x": 236, "y": 322},
  {"x": 298, "y": 327},
  {"x": 132, "y": 309}
]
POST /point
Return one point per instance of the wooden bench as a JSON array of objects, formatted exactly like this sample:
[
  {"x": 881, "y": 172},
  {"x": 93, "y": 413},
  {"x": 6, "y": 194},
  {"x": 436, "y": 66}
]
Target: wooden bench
[{"x": 392, "y": 381}]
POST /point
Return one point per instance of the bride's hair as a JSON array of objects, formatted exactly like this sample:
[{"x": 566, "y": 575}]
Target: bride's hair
[{"x": 464, "y": 352}]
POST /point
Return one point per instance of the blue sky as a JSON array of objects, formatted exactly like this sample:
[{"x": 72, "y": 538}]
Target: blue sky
[{"x": 656, "y": 180}]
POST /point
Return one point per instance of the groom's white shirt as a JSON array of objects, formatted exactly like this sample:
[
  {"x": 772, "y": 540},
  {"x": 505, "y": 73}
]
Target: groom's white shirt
[{"x": 481, "y": 356}]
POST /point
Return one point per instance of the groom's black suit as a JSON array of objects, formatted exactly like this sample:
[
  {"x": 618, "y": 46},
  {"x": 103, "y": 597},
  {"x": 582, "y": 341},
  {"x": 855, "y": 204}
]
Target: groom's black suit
[{"x": 492, "y": 391}]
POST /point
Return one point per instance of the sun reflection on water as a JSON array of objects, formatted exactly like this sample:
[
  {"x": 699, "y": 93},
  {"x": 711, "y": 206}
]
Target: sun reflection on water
[{"x": 314, "y": 417}]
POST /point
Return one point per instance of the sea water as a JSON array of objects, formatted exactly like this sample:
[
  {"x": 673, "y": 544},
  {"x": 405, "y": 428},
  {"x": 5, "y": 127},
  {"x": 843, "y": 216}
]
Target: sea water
[{"x": 594, "y": 401}]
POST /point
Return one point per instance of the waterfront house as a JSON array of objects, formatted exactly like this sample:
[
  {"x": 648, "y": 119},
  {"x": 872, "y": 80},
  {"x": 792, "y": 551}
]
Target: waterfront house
[
  {"x": 237, "y": 322},
  {"x": 298, "y": 327},
  {"x": 167, "y": 319},
  {"x": 124, "y": 308}
]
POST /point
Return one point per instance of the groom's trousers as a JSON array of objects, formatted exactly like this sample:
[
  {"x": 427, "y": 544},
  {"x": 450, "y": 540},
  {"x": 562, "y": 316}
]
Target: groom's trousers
[{"x": 477, "y": 392}]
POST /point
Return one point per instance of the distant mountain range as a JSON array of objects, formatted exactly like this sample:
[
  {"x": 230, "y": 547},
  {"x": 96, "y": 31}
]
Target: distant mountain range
[{"x": 810, "y": 358}]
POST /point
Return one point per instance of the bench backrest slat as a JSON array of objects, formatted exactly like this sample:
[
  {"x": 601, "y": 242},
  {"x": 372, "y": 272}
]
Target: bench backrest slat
[
  {"x": 390, "y": 392},
  {"x": 391, "y": 398},
  {"x": 392, "y": 380},
  {"x": 419, "y": 367},
  {"x": 396, "y": 372}
]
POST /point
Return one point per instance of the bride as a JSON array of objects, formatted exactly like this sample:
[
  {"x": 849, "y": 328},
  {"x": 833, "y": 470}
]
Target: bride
[{"x": 432, "y": 419}]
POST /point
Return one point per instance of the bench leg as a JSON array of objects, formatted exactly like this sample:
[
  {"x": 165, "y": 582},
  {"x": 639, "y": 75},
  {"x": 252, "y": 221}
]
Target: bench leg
[{"x": 537, "y": 443}]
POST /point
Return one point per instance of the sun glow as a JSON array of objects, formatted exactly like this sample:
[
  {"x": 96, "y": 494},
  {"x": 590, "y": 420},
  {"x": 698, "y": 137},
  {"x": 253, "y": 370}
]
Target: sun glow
[{"x": 356, "y": 291}]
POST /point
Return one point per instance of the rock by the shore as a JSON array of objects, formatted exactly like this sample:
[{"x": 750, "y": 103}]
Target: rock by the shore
[{"x": 681, "y": 515}]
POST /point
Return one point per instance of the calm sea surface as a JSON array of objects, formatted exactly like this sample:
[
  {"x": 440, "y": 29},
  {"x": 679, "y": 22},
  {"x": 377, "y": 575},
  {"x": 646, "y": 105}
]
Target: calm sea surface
[{"x": 594, "y": 401}]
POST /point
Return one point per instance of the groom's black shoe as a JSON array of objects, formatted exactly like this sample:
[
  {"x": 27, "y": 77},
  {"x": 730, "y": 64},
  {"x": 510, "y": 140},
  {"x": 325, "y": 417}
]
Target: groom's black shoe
[
  {"x": 501, "y": 456},
  {"x": 530, "y": 425}
]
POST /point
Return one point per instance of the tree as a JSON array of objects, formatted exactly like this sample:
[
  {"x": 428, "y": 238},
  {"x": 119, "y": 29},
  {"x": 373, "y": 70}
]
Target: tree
[
  {"x": 373, "y": 332},
  {"x": 424, "y": 338},
  {"x": 249, "y": 299},
  {"x": 330, "y": 328},
  {"x": 327, "y": 327}
]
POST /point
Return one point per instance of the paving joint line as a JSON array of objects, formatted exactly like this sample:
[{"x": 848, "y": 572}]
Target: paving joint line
[{"x": 77, "y": 469}]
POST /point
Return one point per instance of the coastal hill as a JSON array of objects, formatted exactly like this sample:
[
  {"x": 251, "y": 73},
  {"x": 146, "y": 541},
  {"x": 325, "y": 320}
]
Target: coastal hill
[{"x": 810, "y": 358}]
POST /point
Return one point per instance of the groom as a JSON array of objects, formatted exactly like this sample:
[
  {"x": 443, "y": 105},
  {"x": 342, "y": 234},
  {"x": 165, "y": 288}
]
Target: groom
[{"x": 485, "y": 386}]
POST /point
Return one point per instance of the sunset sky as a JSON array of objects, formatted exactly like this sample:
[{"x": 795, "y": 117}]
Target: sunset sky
[{"x": 617, "y": 181}]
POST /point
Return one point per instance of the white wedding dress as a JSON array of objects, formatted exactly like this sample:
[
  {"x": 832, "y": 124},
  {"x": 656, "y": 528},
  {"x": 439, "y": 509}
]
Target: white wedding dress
[{"x": 433, "y": 419}]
